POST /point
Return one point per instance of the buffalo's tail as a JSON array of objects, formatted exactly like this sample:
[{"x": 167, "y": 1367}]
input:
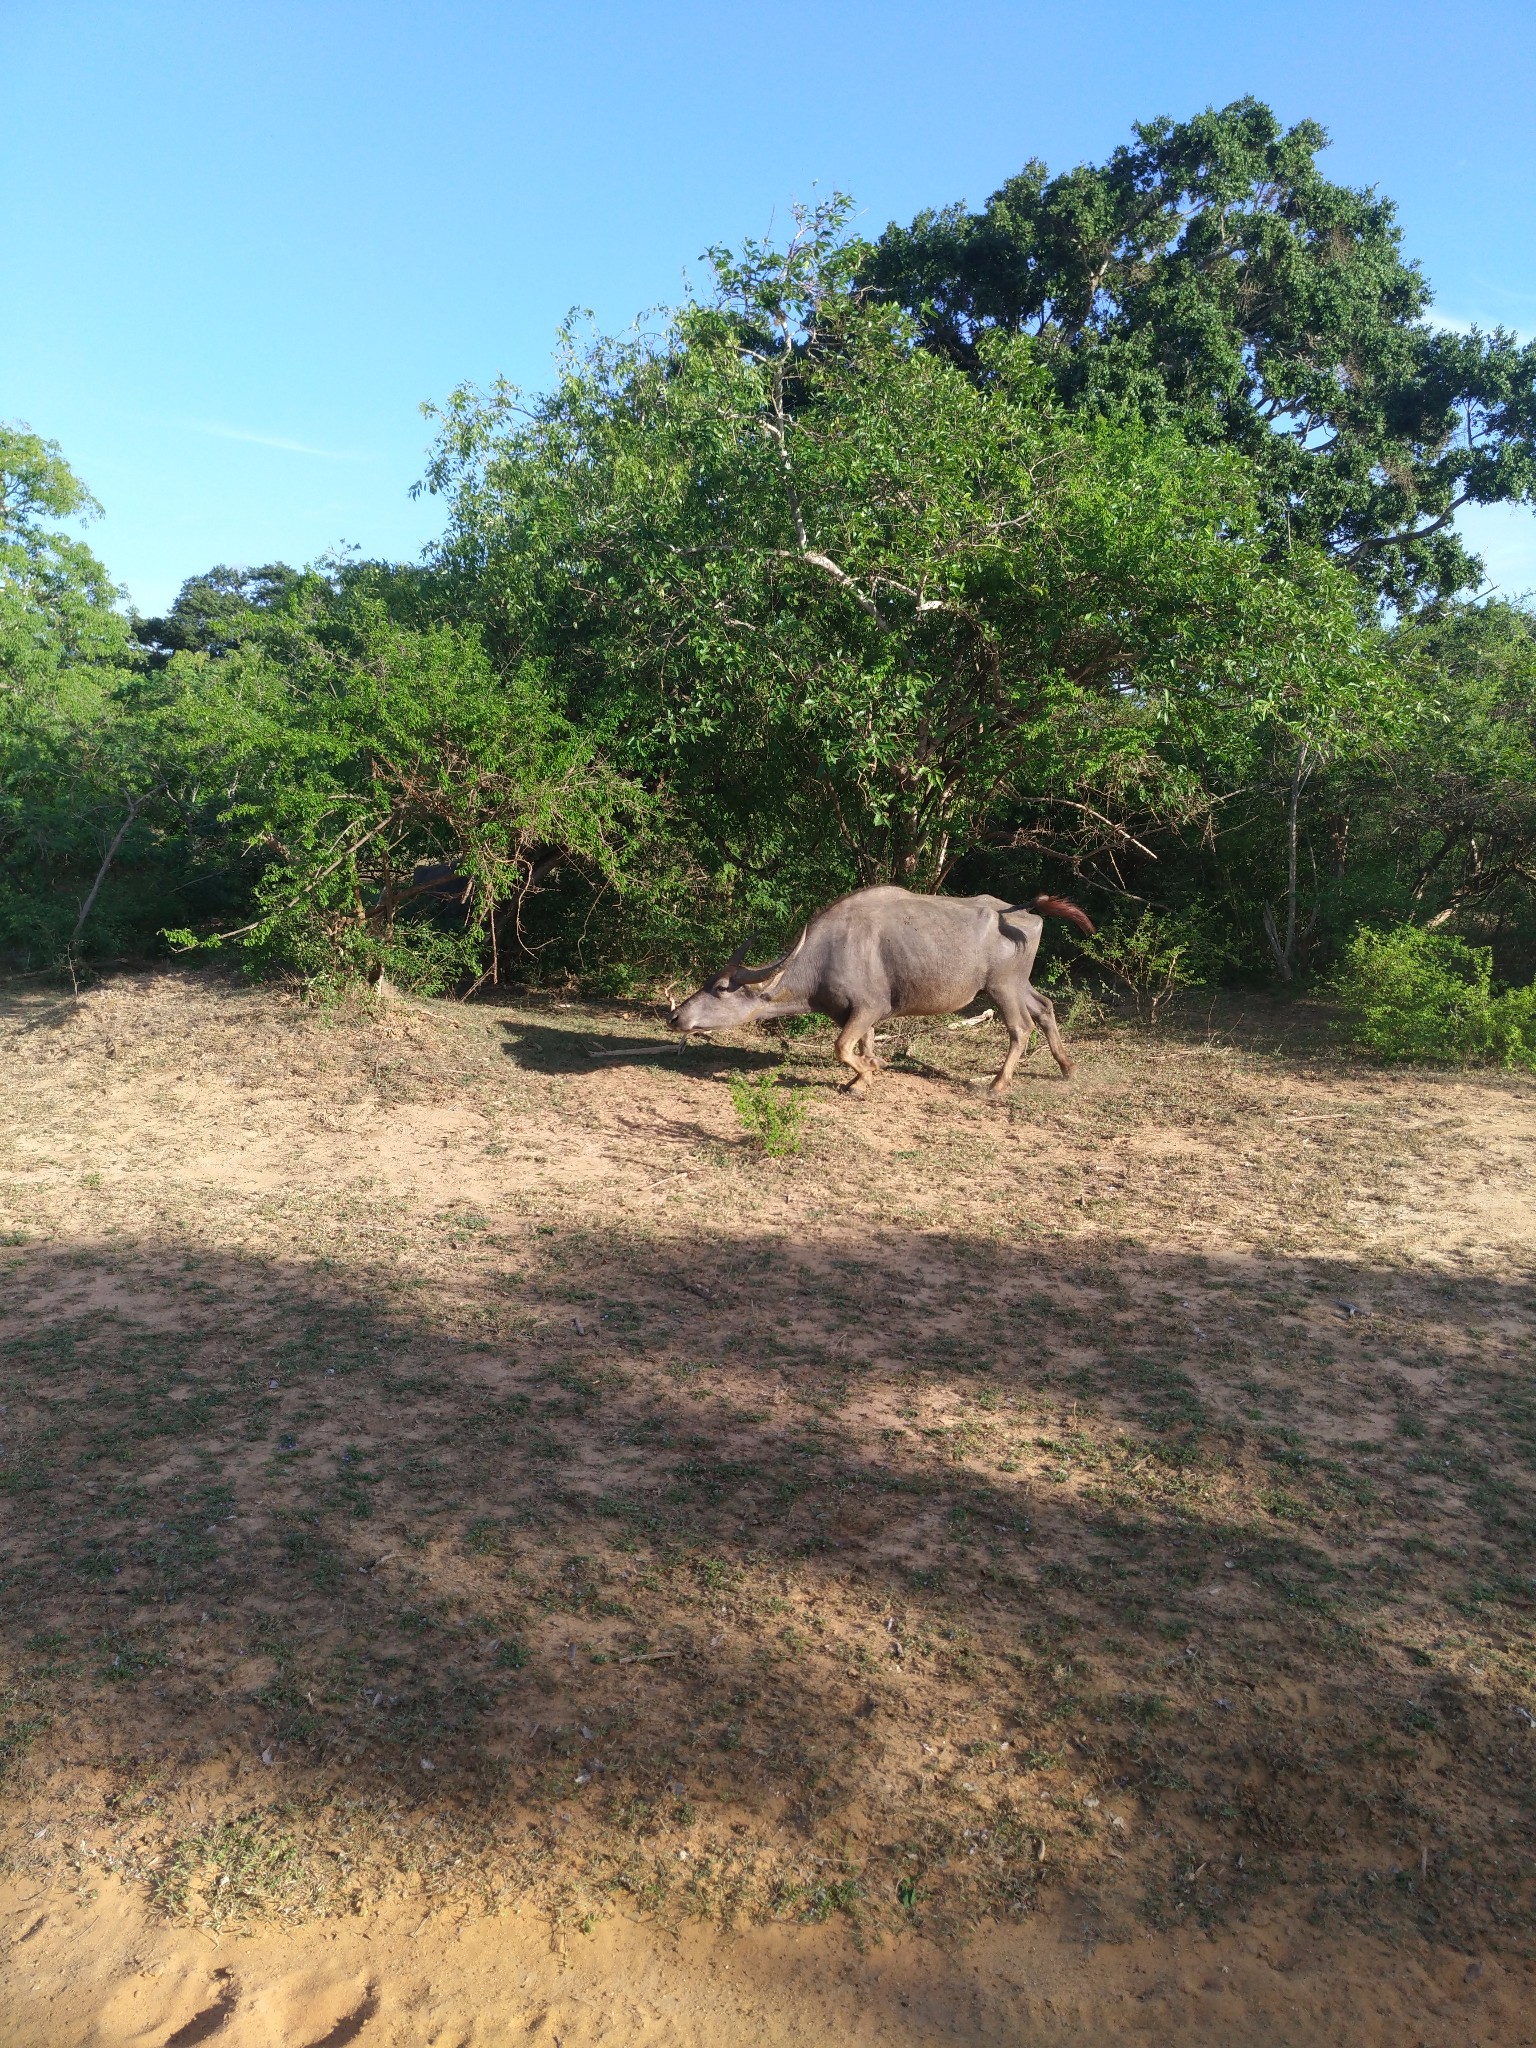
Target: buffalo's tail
[{"x": 1058, "y": 906}]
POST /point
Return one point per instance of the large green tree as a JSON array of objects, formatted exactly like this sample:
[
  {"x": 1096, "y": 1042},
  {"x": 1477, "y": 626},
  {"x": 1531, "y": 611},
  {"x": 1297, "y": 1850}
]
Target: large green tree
[
  {"x": 862, "y": 612},
  {"x": 58, "y": 606},
  {"x": 216, "y": 612},
  {"x": 1210, "y": 277},
  {"x": 73, "y": 777}
]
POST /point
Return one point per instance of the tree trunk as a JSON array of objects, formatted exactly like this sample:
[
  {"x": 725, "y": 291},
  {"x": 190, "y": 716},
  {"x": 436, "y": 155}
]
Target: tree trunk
[
  {"x": 1284, "y": 949},
  {"x": 110, "y": 855}
]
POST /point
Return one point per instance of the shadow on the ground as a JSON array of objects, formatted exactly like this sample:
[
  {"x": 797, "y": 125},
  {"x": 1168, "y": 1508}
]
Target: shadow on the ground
[
  {"x": 592, "y": 1045},
  {"x": 740, "y": 1573}
]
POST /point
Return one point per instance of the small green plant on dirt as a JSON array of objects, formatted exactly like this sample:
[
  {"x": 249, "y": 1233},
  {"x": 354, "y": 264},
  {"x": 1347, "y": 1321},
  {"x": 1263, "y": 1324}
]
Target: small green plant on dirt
[
  {"x": 797, "y": 1027},
  {"x": 1412, "y": 994},
  {"x": 771, "y": 1115},
  {"x": 1078, "y": 1008}
]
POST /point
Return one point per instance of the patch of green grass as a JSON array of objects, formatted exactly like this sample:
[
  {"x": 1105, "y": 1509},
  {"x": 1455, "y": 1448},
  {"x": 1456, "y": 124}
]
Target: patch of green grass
[
  {"x": 124, "y": 1662},
  {"x": 229, "y": 1870},
  {"x": 772, "y": 1115},
  {"x": 20, "y": 1726}
]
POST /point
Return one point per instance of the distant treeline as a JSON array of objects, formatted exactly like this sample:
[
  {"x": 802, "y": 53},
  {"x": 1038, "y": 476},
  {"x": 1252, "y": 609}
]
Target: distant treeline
[{"x": 1103, "y": 540}]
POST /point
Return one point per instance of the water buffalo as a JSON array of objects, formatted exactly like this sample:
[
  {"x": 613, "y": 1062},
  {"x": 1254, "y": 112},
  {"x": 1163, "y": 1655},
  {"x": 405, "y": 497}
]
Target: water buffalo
[{"x": 887, "y": 953}]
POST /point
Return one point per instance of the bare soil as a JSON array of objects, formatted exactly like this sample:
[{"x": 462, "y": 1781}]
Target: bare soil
[{"x": 485, "y": 1550}]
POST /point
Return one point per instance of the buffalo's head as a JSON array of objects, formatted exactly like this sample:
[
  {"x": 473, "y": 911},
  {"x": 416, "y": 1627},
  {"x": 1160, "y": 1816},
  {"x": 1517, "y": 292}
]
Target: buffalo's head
[{"x": 739, "y": 995}]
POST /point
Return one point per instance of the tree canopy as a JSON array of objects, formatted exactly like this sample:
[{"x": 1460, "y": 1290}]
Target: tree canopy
[
  {"x": 58, "y": 606},
  {"x": 1209, "y": 276},
  {"x": 64, "y": 650},
  {"x": 781, "y": 547}
]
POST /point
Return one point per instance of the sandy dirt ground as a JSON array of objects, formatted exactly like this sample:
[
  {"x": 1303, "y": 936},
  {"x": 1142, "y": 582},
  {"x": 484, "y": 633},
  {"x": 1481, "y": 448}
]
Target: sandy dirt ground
[
  {"x": 103, "y": 1973},
  {"x": 488, "y": 1554}
]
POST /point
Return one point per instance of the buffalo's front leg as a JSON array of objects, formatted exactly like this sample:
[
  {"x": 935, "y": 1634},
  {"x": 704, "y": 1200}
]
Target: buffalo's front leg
[{"x": 849, "y": 1050}]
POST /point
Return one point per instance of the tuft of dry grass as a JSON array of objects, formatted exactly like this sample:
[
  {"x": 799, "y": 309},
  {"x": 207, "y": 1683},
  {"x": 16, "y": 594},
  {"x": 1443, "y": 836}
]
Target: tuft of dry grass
[{"x": 437, "y": 1460}]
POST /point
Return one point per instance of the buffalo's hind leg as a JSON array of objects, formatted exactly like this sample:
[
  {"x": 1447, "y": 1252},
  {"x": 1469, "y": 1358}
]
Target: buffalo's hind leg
[
  {"x": 1020, "y": 1031},
  {"x": 1043, "y": 1011},
  {"x": 850, "y": 1050},
  {"x": 1021, "y": 1013}
]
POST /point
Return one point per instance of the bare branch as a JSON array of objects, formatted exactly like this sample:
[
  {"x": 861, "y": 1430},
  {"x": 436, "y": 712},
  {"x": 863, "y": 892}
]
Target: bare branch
[
  {"x": 134, "y": 804},
  {"x": 310, "y": 885},
  {"x": 1375, "y": 541},
  {"x": 825, "y": 563},
  {"x": 1125, "y": 838}
]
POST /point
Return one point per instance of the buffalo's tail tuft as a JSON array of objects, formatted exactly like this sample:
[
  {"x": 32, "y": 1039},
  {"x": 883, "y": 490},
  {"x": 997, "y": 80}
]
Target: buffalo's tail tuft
[{"x": 1058, "y": 906}]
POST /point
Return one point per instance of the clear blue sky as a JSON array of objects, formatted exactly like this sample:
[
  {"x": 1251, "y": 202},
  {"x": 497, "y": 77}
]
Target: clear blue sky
[{"x": 244, "y": 242}]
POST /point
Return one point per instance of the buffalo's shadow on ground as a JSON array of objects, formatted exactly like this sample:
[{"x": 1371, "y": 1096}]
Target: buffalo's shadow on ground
[
  {"x": 598, "y": 1044},
  {"x": 590, "y": 1047}
]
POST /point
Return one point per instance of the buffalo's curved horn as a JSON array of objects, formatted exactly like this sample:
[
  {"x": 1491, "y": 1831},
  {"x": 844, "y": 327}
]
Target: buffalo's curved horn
[
  {"x": 765, "y": 977},
  {"x": 737, "y": 957}
]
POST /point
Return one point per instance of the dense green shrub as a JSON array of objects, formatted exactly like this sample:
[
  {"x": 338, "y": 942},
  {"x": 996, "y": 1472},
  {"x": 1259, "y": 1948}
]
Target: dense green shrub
[
  {"x": 1413, "y": 994},
  {"x": 360, "y": 756}
]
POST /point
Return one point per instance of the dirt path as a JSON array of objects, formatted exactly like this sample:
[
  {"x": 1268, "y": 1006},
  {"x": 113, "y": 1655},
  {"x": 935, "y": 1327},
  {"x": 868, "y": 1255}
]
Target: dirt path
[
  {"x": 481, "y": 1543},
  {"x": 102, "y": 1975}
]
